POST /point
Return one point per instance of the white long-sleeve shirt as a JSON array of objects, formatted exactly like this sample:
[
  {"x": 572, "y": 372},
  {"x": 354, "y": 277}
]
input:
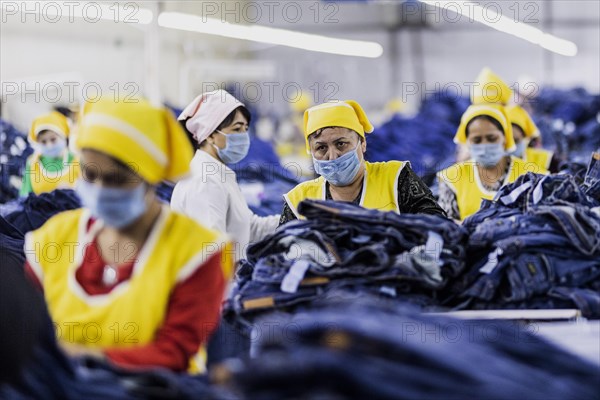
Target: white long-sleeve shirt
[{"x": 212, "y": 196}]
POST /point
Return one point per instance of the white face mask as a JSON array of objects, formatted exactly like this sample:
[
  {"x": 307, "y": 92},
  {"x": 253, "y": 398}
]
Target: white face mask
[
  {"x": 236, "y": 148},
  {"x": 52, "y": 150}
]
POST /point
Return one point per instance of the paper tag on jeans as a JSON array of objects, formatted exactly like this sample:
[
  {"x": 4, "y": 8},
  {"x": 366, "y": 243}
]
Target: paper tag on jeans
[
  {"x": 292, "y": 279},
  {"x": 492, "y": 262},
  {"x": 514, "y": 195},
  {"x": 434, "y": 245},
  {"x": 538, "y": 191}
]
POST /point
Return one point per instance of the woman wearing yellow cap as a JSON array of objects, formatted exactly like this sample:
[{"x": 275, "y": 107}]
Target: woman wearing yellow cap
[
  {"x": 335, "y": 137},
  {"x": 51, "y": 166},
  {"x": 524, "y": 130},
  {"x": 125, "y": 278},
  {"x": 485, "y": 128}
]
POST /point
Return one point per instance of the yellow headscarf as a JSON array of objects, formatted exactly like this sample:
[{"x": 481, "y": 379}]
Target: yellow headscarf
[
  {"x": 346, "y": 114},
  {"x": 489, "y": 98},
  {"x": 497, "y": 112},
  {"x": 54, "y": 121},
  {"x": 518, "y": 116},
  {"x": 137, "y": 133},
  {"x": 490, "y": 89}
]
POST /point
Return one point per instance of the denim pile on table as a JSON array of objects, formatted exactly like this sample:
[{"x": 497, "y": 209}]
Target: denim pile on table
[
  {"x": 569, "y": 121},
  {"x": 34, "y": 210},
  {"x": 537, "y": 246},
  {"x": 355, "y": 349},
  {"x": 341, "y": 245},
  {"x": 14, "y": 151},
  {"x": 410, "y": 138}
]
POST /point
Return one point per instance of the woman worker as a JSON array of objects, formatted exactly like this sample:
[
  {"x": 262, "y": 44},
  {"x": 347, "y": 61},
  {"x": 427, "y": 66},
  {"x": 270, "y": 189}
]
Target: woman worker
[
  {"x": 51, "y": 166},
  {"x": 335, "y": 137},
  {"x": 524, "y": 130},
  {"x": 219, "y": 123},
  {"x": 125, "y": 278},
  {"x": 485, "y": 128}
]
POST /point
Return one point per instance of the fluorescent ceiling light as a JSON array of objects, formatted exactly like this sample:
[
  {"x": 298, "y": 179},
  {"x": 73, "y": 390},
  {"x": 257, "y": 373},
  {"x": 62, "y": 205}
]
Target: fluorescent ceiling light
[
  {"x": 507, "y": 25},
  {"x": 90, "y": 10},
  {"x": 263, "y": 34}
]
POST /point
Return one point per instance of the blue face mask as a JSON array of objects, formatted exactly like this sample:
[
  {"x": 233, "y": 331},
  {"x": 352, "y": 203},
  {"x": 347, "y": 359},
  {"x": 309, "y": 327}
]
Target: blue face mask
[
  {"x": 341, "y": 171},
  {"x": 487, "y": 154},
  {"x": 116, "y": 207},
  {"x": 520, "y": 150},
  {"x": 53, "y": 150},
  {"x": 236, "y": 147}
]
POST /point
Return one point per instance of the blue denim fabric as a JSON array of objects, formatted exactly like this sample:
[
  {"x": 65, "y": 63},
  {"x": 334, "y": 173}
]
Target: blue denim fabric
[
  {"x": 529, "y": 242},
  {"x": 14, "y": 150},
  {"x": 37, "y": 209},
  {"x": 347, "y": 247},
  {"x": 591, "y": 183},
  {"x": 354, "y": 348}
]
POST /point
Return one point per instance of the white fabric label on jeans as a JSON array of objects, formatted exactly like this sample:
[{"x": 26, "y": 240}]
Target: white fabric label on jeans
[
  {"x": 512, "y": 196},
  {"x": 492, "y": 261},
  {"x": 538, "y": 192},
  {"x": 292, "y": 279},
  {"x": 434, "y": 245}
]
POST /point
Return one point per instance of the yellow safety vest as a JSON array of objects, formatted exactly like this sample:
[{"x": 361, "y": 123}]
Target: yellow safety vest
[
  {"x": 539, "y": 157},
  {"x": 131, "y": 314},
  {"x": 43, "y": 181},
  {"x": 463, "y": 178},
  {"x": 379, "y": 192}
]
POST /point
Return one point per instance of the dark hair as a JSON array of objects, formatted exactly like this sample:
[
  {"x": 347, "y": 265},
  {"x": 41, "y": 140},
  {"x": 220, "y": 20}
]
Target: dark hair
[
  {"x": 224, "y": 124},
  {"x": 495, "y": 122}
]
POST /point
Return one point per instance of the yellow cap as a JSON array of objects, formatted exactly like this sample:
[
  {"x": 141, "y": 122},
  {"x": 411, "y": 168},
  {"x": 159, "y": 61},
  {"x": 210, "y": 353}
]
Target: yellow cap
[
  {"x": 495, "y": 111},
  {"x": 489, "y": 88},
  {"x": 346, "y": 114},
  {"x": 137, "y": 134},
  {"x": 521, "y": 118},
  {"x": 54, "y": 121},
  {"x": 301, "y": 103}
]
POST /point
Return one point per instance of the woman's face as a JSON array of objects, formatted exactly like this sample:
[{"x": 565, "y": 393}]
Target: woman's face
[
  {"x": 48, "y": 138},
  {"x": 517, "y": 133},
  {"x": 100, "y": 169},
  {"x": 334, "y": 142},
  {"x": 239, "y": 125},
  {"x": 482, "y": 131}
]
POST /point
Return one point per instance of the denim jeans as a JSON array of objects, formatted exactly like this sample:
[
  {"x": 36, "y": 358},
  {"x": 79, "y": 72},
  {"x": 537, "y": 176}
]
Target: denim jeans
[{"x": 361, "y": 349}]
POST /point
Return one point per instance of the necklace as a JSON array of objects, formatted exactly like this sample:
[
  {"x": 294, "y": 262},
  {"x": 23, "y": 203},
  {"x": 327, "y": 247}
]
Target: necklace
[{"x": 109, "y": 275}]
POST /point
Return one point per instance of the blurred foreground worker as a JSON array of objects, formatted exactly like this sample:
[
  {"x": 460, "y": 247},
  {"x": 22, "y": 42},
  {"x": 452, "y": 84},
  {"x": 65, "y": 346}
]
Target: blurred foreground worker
[
  {"x": 51, "y": 166},
  {"x": 486, "y": 129},
  {"x": 335, "y": 137},
  {"x": 218, "y": 123},
  {"x": 524, "y": 130},
  {"x": 126, "y": 278}
]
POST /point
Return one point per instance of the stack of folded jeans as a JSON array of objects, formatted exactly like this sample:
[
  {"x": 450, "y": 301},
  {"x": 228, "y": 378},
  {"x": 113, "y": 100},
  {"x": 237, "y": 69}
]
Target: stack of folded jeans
[
  {"x": 536, "y": 246},
  {"x": 351, "y": 349},
  {"x": 341, "y": 245},
  {"x": 35, "y": 210},
  {"x": 569, "y": 121}
]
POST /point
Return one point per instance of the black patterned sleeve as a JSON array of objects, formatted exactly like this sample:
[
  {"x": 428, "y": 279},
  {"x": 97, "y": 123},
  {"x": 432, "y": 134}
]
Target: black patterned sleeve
[
  {"x": 287, "y": 214},
  {"x": 447, "y": 200},
  {"x": 414, "y": 196}
]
